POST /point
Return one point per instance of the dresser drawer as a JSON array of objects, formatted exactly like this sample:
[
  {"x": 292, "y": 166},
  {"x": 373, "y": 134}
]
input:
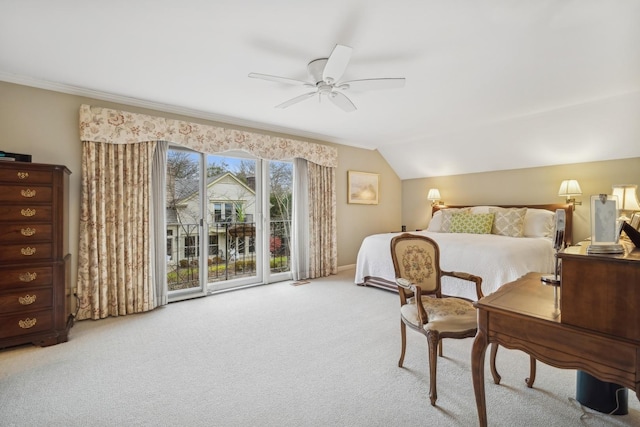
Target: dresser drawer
[
  {"x": 26, "y": 300},
  {"x": 25, "y": 193},
  {"x": 26, "y": 323},
  {"x": 25, "y": 277},
  {"x": 23, "y": 175},
  {"x": 29, "y": 213},
  {"x": 25, "y": 233},
  {"x": 25, "y": 252}
]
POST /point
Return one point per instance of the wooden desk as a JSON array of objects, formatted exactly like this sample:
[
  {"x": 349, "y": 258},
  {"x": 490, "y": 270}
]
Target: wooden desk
[
  {"x": 602, "y": 287},
  {"x": 521, "y": 315}
]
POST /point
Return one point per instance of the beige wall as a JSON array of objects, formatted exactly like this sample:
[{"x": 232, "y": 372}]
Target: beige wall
[
  {"x": 521, "y": 186},
  {"x": 355, "y": 222},
  {"x": 44, "y": 124}
]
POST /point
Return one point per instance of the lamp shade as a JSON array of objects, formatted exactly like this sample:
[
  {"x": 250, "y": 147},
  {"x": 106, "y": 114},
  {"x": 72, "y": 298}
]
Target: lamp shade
[
  {"x": 434, "y": 194},
  {"x": 569, "y": 188},
  {"x": 627, "y": 197}
]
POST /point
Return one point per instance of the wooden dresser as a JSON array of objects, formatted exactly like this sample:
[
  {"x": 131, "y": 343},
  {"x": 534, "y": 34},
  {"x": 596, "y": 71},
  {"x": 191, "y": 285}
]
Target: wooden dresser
[{"x": 35, "y": 304}]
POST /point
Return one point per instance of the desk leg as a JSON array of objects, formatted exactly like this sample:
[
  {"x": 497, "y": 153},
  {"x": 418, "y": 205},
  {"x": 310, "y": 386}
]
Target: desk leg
[
  {"x": 532, "y": 371},
  {"x": 492, "y": 362},
  {"x": 478, "y": 350}
]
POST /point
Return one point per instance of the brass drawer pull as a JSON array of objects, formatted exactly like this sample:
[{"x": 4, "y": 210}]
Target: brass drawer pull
[
  {"x": 27, "y": 323},
  {"x": 23, "y": 175},
  {"x": 28, "y": 193},
  {"x": 28, "y": 231},
  {"x": 28, "y": 212},
  {"x": 28, "y": 251},
  {"x": 27, "y": 299},
  {"x": 28, "y": 277}
]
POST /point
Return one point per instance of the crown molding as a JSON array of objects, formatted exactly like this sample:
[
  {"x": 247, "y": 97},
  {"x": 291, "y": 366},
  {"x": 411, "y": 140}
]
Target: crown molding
[{"x": 167, "y": 108}]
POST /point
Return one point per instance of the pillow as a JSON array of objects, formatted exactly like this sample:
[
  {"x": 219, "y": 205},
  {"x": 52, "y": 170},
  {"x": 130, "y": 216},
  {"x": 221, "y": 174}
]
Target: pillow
[
  {"x": 539, "y": 223},
  {"x": 508, "y": 221},
  {"x": 481, "y": 209},
  {"x": 446, "y": 217},
  {"x": 436, "y": 222},
  {"x": 472, "y": 223}
]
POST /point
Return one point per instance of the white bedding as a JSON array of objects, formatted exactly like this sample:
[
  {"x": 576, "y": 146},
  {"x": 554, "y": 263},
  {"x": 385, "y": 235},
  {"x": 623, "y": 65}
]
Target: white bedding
[{"x": 497, "y": 259}]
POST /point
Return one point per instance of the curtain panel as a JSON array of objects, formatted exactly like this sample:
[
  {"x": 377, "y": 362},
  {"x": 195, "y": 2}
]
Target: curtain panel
[
  {"x": 114, "y": 260},
  {"x": 323, "y": 245}
]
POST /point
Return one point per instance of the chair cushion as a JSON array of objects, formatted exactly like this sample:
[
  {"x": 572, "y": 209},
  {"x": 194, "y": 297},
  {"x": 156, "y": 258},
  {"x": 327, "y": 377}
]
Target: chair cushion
[{"x": 445, "y": 314}]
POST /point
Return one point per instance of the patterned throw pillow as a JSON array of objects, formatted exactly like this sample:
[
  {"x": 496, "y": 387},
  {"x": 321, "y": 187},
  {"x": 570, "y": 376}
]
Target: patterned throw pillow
[
  {"x": 508, "y": 221},
  {"x": 472, "y": 223},
  {"x": 446, "y": 217}
]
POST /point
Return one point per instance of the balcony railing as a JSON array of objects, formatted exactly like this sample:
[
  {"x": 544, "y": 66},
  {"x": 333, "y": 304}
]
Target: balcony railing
[{"x": 231, "y": 252}]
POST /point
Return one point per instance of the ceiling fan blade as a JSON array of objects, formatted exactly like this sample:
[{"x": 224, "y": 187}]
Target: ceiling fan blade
[
  {"x": 372, "y": 84},
  {"x": 342, "y": 101},
  {"x": 279, "y": 79},
  {"x": 336, "y": 63},
  {"x": 295, "y": 100}
]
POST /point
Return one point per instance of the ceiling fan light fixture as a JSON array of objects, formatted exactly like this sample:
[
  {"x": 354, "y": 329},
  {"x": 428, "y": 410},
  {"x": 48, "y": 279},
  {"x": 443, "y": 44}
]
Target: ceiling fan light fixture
[{"x": 326, "y": 74}]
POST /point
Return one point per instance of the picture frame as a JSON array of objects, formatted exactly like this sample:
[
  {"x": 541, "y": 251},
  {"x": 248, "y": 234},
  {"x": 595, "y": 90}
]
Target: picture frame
[
  {"x": 635, "y": 221},
  {"x": 363, "y": 188},
  {"x": 604, "y": 216},
  {"x": 605, "y": 227}
]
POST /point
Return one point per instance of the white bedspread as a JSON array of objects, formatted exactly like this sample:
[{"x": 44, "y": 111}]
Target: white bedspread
[{"x": 497, "y": 259}]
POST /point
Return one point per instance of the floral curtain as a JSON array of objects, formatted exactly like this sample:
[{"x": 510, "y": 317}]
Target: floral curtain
[
  {"x": 118, "y": 265},
  {"x": 120, "y": 127},
  {"x": 114, "y": 262},
  {"x": 323, "y": 246}
]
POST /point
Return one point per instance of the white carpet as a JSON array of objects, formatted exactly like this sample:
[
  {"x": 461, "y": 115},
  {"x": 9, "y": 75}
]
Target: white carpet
[{"x": 319, "y": 354}]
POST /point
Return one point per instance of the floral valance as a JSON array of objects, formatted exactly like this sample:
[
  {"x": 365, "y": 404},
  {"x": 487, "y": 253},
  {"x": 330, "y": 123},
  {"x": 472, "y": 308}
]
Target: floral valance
[{"x": 99, "y": 124}]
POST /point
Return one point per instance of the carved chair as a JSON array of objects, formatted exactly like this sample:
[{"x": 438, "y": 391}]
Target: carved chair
[{"x": 416, "y": 260}]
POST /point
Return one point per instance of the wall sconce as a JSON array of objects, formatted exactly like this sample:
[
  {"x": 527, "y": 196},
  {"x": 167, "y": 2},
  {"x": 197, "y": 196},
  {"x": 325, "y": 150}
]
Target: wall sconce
[
  {"x": 627, "y": 199},
  {"x": 569, "y": 189},
  {"x": 434, "y": 196}
]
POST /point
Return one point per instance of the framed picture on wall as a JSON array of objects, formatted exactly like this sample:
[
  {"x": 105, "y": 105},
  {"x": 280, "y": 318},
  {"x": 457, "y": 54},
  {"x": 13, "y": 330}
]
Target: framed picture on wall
[{"x": 363, "y": 187}]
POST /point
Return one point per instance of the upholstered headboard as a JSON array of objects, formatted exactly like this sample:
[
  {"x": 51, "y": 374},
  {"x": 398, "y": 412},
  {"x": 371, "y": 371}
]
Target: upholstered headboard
[{"x": 568, "y": 234}]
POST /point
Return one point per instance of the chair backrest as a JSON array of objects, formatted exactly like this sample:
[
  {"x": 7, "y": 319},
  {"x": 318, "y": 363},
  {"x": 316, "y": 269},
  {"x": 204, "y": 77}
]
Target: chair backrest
[{"x": 417, "y": 259}]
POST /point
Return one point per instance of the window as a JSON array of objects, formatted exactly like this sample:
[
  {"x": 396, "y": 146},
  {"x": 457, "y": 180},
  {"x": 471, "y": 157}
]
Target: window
[
  {"x": 223, "y": 211},
  {"x": 191, "y": 246}
]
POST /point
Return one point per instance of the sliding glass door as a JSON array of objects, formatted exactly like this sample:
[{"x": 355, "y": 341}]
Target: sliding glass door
[{"x": 228, "y": 222}]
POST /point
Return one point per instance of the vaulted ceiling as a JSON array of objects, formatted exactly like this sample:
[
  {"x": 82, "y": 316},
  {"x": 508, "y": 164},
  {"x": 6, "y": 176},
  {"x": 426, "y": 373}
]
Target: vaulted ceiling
[{"x": 490, "y": 84}]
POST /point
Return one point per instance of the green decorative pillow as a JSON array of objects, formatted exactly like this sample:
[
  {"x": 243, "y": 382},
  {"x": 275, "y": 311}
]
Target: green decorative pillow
[
  {"x": 471, "y": 223},
  {"x": 508, "y": 221},
  {"x": 446, "y": 217}
]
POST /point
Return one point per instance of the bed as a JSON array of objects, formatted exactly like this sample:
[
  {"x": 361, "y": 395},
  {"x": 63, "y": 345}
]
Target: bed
[{"x": 498, "y": 256}]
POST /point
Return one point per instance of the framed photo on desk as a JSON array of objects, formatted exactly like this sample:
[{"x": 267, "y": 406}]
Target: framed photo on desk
[
  {"x": 635, "y": 221},
  {"x": 605, "y": 227},
  {"x": 604, "y": 215}
]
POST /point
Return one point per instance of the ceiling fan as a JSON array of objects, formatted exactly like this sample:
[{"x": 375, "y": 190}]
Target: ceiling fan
[{"x": 325, "y": 74}]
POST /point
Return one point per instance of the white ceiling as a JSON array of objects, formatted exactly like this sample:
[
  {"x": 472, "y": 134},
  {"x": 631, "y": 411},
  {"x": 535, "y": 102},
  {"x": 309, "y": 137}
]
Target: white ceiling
[{"x": 491, "y": 84}]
